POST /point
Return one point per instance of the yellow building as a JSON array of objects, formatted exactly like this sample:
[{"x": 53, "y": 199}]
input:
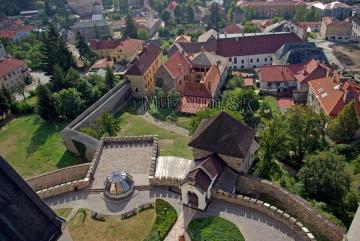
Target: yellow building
[
  {"x": 117, "y": 50},
  {"x": 142, "y": 71}
]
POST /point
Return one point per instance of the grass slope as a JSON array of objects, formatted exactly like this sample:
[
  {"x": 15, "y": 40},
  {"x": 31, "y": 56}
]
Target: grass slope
[
  {"x": 136, "y": 228},
  {"x": 33, "y": 146},
  {"x": 171, "y": 144}
]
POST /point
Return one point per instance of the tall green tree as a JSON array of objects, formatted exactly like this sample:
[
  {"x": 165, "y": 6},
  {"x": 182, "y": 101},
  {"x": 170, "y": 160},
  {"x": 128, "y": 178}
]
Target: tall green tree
[
  {"x": 6, "y": 102},
  {"x": 343, "y": 127},
  {"x": 130, "y": 29},
  {"x": 68, "y": 103},
  {"x": 273, "y": 140},
  {"x": 57, "y": 79},
  {"x": 235, "y": 82},
  {"x": 303, "y": 130},
  {"x": 45, "y": 106},
  {"x": 109, "y": 124},
  {"x": 82, "y": 46},
  {"x": 55, "y": 52},
  {"x": 190, "y": 14},
  {"x": 165, "y": 16},
  {"x": 324, "y": 177},
  {"x": 215, "y": 17},
  {"x": 109, "y": 78}
]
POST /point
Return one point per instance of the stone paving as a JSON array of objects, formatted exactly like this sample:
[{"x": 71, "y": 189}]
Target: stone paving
[
  {"x": 172, "y": 166},
  {"x": 254, "y": 225},
  {"x": 132, "y": 158}
]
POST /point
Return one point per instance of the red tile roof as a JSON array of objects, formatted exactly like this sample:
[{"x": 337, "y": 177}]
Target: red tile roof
[
  {"x": 285, "y": 103},
  {"x": 172, "y": 5},
  {"x": 276, "y": 73},
  {"x": 232, "y": 28},
  {"x": 7, "y": 34},
  {"x": 253, "y": 45},
  {"x": 104, "y": 44},
  {"x": 176, "y": 65},
  {"x": 248, "y": 82},
  {"x": 329, "y": 94},
  {"x": 191, "y": 105},
  {"x": 102, "y": 63},
  {"x": 9, "y": 65},
  {"x": 207, "y": 87},
  {"x": 144, "y": 60},
  {"x": 309, "y": 68},
  {"x": 183, "y": 38}
]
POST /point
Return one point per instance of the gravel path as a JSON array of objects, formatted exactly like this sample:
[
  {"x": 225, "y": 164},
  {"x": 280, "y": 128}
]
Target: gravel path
[
  {"x": 254, "y": 225},
  {"x": 165, "y": 125}
]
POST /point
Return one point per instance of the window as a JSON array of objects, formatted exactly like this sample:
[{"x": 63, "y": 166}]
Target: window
[
  {"x": 270, "y": 58},
  {"x": 257, "y": 60},
  {"x": 137, "y": 89},
  {"x": 242, "y": 66},
  {"x": 235, "y": 60},
  {"x": 251, "y": 60},
  {"x": 265, "y": 59},
  {"x": 229, "y": 59},
  {"x": 242, "y": 61}
]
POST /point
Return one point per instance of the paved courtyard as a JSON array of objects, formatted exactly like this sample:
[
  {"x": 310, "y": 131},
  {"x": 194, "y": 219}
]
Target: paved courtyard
[
  {"x": 132, "y": 158},
  {"x": 254, "y": 225}
]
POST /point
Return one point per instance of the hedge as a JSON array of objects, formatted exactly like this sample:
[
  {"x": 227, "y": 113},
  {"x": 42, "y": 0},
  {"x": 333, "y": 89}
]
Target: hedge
[
  {"x": 165, "y": 218},
  {"x": 214, "y": 229}
]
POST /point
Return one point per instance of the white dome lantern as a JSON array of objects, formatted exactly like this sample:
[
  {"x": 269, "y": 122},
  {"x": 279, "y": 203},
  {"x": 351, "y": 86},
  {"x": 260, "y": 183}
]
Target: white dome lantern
[{"x": 118, "y": 185}]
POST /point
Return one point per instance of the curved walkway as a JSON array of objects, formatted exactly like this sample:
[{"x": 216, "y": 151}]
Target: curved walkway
[
  {"x": 165, "y": 125},
  {"x": 254, "y": 225}
]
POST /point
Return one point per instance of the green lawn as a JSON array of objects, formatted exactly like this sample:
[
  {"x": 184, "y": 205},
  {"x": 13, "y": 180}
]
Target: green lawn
[
  {"x": 169, "y": 115},
  {"x": 214, "y": 229},
  {"x": 63, "y": 212},
  {"x": 136, "y": 228},
  {"x": 170, "y": 143},
  {"x": 33, "y": 146}
]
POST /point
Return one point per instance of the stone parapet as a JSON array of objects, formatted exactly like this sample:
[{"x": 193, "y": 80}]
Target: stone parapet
[
  {"x": 291, "y": 203},
  {"x": 57, "y": 177},
  {"x": 60, "y": 181},
  {"x": 165, "y": 181},
  {"x": 268, "y": 209}
]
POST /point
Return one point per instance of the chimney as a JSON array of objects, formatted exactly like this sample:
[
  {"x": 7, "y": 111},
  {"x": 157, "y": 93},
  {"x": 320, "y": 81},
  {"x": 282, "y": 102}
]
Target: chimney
[
  {"x": 237, "y": 39},
  {"x": 218, "y": 63}
]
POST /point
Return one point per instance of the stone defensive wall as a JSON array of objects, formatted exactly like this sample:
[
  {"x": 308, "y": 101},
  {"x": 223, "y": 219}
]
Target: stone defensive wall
[
  {"x": 60, "y": 181},
  {"x": 291, "y": 203},
  {"x": 268, "y": 209},
  {"x": 84, "y": 145}
]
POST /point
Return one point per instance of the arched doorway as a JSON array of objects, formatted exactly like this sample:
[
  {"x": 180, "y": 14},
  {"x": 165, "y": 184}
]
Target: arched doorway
[{"x": 193, "y": 199}]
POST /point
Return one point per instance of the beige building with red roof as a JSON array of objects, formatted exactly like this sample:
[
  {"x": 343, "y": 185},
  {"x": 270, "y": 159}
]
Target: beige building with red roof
[
  {"x": 331, "y": 94},
  {"x": 141, "y": 74},
  {"x": 197, "y": 78},
  {"x": 12, "y": 72},
  {"x": 335, "y": 30},
  {"x": 295, "y": 77},
  {"x": 183, "y": 38},
  {"x": 125, "y": 50},
  {"x": 272, "y": 8}
]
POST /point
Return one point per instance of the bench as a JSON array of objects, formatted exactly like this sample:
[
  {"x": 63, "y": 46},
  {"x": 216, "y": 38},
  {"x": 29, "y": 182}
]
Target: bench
[
  {"x": 97, "y": 216},
  {"x": 146, "y": 205},
  {"x": 129, "y": 213}
]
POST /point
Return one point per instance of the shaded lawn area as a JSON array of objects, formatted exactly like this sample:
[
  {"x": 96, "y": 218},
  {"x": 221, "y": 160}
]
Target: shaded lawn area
[
  {"x": 166, "y": 114},
  {"x": 354, "y": 175},
  {"x": 214, "y": 229},
  {"x": 63, "y": 212},
  {"x": 135, "y": 228},
  {"x": 170, "y": 143},
  {"x": 33, "y": 146}
]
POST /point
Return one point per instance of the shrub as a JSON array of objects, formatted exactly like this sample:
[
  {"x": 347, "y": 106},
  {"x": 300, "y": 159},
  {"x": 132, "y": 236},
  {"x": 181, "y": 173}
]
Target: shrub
[
  {"x": 214, "y": 229},
  {"x": 22, "y": 108},
  {"x": 165, "y": 218}
]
